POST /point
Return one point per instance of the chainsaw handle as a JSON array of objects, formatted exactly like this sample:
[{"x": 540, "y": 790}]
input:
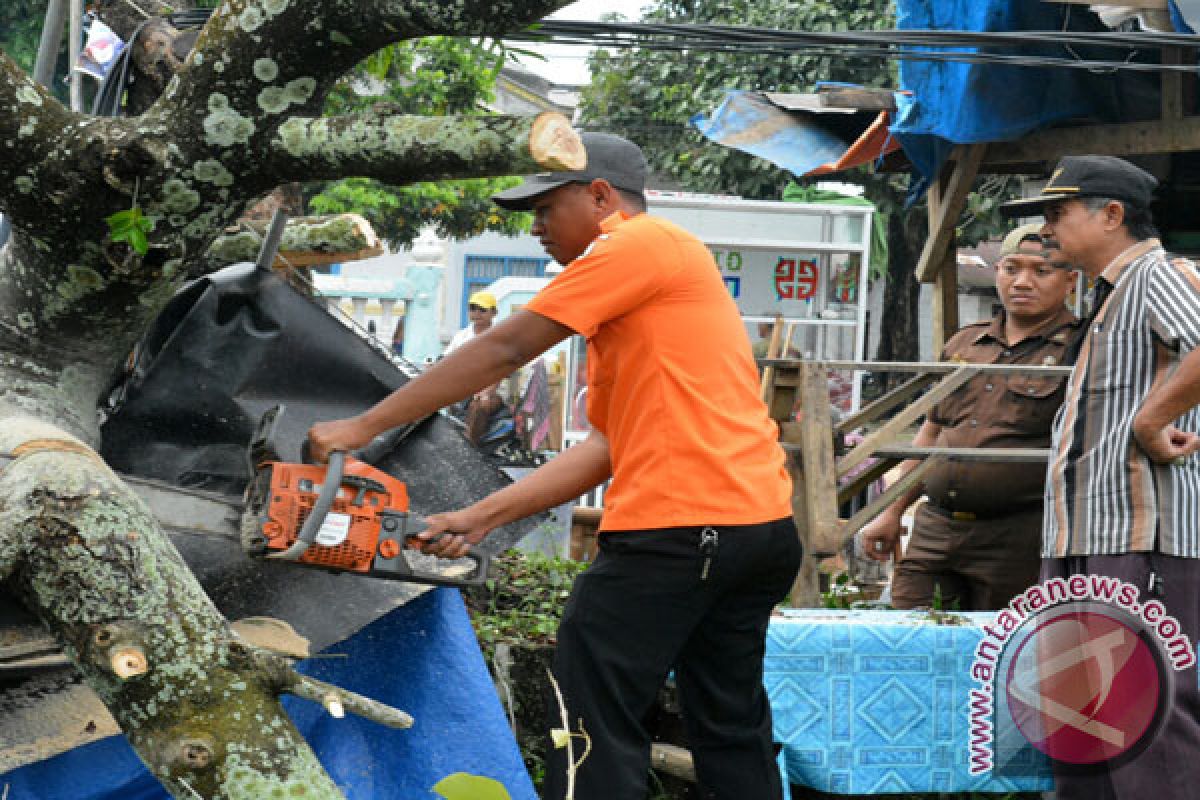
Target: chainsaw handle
[
  {"x": 316, "y": 517},
  {"x": 478, "y": 575}
]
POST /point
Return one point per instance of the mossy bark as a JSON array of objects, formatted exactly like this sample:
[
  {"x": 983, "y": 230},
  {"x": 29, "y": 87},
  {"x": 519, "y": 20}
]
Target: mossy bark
[{"x": 240, "y": 117}]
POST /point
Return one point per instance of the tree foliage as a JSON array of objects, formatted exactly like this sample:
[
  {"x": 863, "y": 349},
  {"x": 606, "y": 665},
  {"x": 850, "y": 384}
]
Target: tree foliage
[
  {"x": 434, "y": 75},
  {"x": 650, "y": 96},
  {"x": 20, "y": 32}
]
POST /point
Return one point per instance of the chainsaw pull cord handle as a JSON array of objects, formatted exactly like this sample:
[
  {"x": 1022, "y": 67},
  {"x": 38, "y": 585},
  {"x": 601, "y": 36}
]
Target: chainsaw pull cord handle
[{"x": 316, "y": 518}]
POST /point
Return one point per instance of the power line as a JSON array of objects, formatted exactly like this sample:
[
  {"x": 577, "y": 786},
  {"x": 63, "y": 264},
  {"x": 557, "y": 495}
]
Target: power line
[{"x": 955, "y": 46}]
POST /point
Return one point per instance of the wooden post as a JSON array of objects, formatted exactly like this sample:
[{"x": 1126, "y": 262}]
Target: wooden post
[
  {"x": 1172, "y": 85},
  {"x": 939, "y": 259},
  {"x": 945, "y": 304},
  {"x": 817, "y": 460},
  {"x": 774, "y": 348},
  {"x": 814, "y": 499}
]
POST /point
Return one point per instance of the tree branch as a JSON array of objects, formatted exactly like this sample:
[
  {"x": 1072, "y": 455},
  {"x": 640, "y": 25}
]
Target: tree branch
[
  {"x": 95, "y": 567},
  {"x": 337, "y": 701},
  {"x": 403, "y": 149},
  {"x": 305, "y": 241}
]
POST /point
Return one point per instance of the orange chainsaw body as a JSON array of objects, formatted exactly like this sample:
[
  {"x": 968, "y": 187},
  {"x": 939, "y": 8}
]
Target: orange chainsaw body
[{"x": 366, "y": 519}]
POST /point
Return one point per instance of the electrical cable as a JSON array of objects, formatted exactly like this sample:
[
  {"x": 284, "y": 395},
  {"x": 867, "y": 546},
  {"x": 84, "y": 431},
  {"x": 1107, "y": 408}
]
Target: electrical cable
[
  {"x": 891, "y": 44},
  {"x": 869, "y": 44}
]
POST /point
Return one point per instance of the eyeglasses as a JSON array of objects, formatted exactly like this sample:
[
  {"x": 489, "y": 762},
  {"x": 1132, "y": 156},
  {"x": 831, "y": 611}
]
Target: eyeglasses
[{"x": 473, "y": 307}]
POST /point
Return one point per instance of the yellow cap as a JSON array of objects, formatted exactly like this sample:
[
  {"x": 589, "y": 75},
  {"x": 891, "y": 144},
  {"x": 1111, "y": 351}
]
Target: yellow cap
[
  {"x": 485, "y": 300},
  {"x": 1012, "y": 242}
]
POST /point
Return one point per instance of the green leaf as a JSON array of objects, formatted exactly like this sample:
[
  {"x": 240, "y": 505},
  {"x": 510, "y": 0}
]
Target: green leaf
[
  {"x": 461, "y": 786},
  {"x": 130, "y": 226},
  {"x": 138, "y": 241}
]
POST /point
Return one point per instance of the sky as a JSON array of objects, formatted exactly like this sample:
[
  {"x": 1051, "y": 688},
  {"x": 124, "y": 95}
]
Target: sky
[{"x": 568, "y": 63}]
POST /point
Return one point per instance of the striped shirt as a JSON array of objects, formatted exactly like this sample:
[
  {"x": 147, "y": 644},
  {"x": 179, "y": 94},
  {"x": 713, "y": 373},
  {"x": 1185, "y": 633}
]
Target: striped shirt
[{"x": 1103, "y": 495}]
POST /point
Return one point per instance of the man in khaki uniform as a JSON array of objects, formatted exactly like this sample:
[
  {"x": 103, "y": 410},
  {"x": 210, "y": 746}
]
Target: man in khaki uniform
[{"x": 977, "y": 540}]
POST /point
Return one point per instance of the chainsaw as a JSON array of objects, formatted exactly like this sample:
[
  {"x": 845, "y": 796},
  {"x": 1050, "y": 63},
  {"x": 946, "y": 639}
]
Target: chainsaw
[{"x": 346, "y": 516}]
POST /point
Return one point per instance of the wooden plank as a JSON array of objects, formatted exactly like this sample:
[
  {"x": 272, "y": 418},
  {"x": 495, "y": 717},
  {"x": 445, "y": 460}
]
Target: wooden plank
[
  {"x": 887, "y": 432},
  {"x": 783, "y": 391},
  {"x": 865, "y": 478},
  {"x": 1125, "y": 139},
  {"x": 950, "y": 202},
  {"x": 881, "y": 406},
  {"x": 858, "y": 99},
  {"x": 945, "y": 303},
  {"x": 774, "y": 350},
  {"x": 1001, "y": 455},
  {"x": 806, "y": 589},
  {"x": 910, "y": 479},
  {"x": 1172, "y": 85},
  {"x": 817, "y": 461},
  {"x": 942, "y": 367}
]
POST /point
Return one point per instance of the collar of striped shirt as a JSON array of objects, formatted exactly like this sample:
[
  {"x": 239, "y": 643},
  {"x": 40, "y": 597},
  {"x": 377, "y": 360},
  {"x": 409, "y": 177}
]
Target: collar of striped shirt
[{"x": 1112, "y": 273}]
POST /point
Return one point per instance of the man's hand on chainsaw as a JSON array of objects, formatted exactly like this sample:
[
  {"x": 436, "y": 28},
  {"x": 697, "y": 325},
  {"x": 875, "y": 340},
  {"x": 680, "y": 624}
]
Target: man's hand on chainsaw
[
  {"x": 338, "y": 434},
  {"x": 451, "y": 535}
]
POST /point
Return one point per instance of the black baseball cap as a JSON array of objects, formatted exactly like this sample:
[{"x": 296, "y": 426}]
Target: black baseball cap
[
  {"x": 613, "y": 158},
  {"x": 1089, "y": 176}
]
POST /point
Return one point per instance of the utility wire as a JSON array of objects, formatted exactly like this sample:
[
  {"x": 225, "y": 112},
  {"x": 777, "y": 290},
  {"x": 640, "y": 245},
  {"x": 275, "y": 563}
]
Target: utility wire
[
  {"x": 927, "y": 38},
  {"x": 889, "y": 44}
]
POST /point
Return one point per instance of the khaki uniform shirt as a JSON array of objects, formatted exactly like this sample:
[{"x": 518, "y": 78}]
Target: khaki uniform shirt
[{"x": 1014, "y": 411}]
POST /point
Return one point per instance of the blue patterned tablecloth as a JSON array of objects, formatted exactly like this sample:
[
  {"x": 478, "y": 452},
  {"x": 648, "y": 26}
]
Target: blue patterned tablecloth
[{"x": 875, "y": 702}]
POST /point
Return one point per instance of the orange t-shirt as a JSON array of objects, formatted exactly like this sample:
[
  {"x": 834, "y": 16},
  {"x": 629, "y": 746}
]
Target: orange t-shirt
[{"x": 671, "y": 381}]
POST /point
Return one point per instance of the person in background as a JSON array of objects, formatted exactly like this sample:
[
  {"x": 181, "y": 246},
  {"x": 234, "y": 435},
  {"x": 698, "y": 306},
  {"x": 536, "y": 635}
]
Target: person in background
[
  {"x": 697, "y": 542},
  {"x": 481, "y": 311},
  {"x": 975, "y": 544},
  {"x": 398, "y": 338}
]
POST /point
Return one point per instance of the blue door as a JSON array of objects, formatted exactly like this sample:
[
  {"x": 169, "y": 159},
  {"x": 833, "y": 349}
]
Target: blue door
[{"x": 479, "y": 272}]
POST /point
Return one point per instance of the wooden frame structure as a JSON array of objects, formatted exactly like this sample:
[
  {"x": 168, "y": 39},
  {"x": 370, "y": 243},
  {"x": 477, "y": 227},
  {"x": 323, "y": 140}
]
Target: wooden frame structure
[{"x": 823, "y": 469}]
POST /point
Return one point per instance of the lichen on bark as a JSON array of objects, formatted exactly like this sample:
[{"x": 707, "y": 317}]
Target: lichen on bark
[{"x": 81, "y": 551}]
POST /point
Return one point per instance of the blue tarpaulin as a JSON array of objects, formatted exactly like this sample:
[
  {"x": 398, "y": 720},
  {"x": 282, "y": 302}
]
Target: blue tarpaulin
[
  {"x": 956, "y": 103},
  {"x": 795, "y": 132},
  {"x": 422, "y": 657},
  {"x": 748, "y": 122},
  {"x": 1185, "y": 15}
]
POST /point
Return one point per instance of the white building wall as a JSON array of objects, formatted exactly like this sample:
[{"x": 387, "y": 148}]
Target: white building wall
[{"x": 488, "y": 244}]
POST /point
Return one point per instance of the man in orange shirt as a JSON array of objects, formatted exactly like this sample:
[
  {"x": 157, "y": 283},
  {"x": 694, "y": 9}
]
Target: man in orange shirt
[{"x": 697, "y": 541}]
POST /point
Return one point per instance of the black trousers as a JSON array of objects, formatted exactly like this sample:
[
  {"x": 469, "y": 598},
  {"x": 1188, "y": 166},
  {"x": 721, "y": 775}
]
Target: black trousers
[{"x": 647, "y": 606}]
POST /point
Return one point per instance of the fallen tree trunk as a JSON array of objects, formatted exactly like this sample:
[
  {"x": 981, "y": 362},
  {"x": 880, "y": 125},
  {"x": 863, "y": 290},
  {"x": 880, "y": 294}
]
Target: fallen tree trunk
[{"x": 109, "y": 218}]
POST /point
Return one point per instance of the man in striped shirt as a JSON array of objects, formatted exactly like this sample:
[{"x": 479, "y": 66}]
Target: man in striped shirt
[{"x": 1123, "y": 486}]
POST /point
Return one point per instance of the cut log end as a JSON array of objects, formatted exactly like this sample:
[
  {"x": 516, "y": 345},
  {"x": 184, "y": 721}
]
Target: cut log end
[
  {"x": 554, "y": 144},
  {"x": 128, "y": 662}
]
